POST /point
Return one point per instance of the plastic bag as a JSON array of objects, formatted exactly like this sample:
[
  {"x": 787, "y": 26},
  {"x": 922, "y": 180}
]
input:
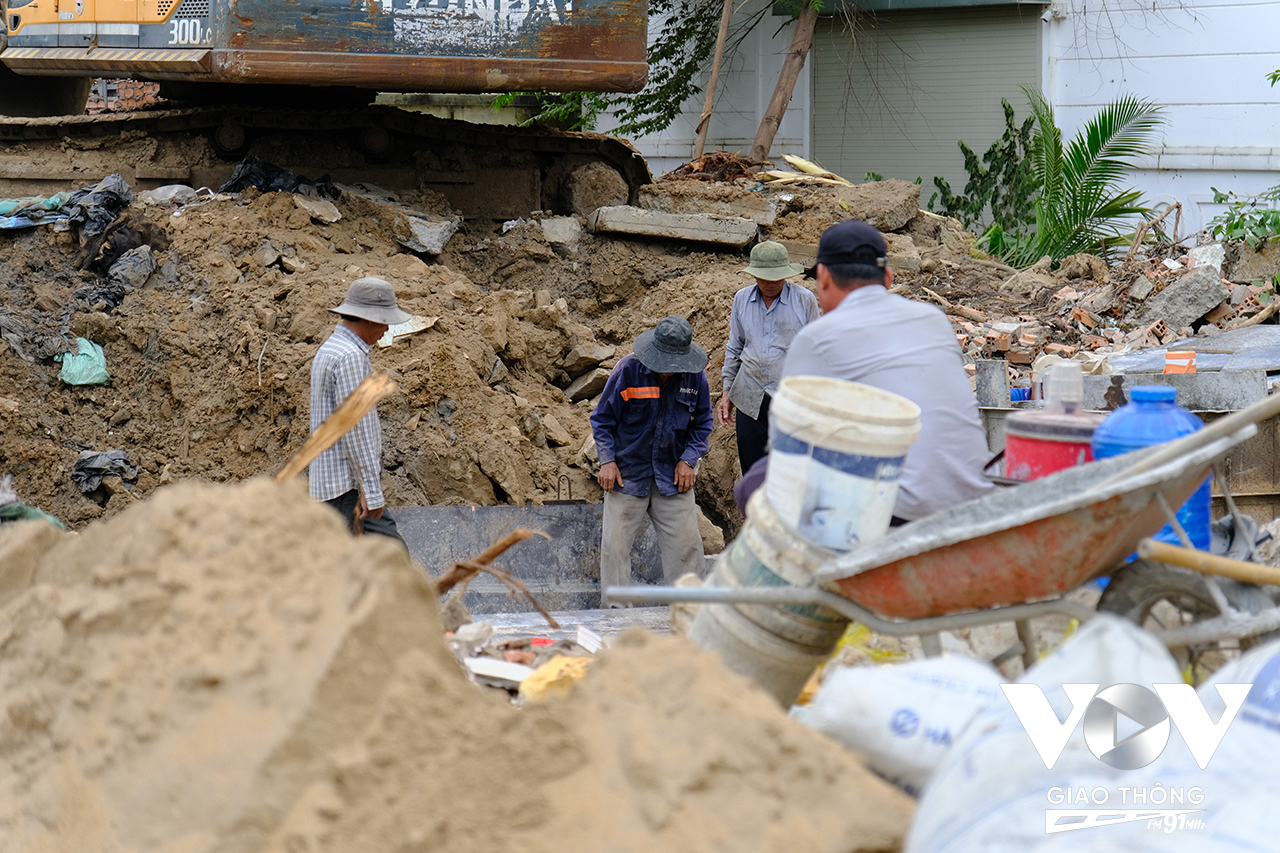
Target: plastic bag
[
  {"x": 97, "y": 206},
  {"x": 92, "y": 465},
  {"x": 87, "y": 366},
  {"x": 991, "y": 792},
  {"x": 906, "y": 717}
]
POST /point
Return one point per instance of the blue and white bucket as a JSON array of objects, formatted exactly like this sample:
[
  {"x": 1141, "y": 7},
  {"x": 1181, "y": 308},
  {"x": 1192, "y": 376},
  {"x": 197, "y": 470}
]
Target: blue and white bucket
[{"x": 836, "y": 453}]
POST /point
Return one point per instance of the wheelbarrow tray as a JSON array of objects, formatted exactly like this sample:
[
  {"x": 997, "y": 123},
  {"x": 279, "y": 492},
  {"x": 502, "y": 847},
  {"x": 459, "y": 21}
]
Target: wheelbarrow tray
[{"x": 1021, "y": 543}]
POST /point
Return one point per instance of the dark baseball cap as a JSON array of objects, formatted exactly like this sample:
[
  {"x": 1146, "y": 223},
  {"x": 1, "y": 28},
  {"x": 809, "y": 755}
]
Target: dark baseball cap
[{"x": 850, "y": 242}]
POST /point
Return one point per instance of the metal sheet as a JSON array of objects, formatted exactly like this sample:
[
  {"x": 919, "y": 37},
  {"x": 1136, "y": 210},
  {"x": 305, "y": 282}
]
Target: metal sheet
[
  {"x": 438, "y": 45},
  {"x": 1251, "y": 348},
  {"x": 564, "y": 573}
]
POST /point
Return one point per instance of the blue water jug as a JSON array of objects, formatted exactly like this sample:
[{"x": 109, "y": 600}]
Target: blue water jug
[{"x": 1152, "y": 417}]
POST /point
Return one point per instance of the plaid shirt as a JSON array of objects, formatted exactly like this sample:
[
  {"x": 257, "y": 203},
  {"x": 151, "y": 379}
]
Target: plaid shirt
[{"x": 341, "y": 363}]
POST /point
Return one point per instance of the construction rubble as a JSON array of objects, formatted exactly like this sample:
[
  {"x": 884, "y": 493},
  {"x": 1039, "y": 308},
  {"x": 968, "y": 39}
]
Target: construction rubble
[{"x": 208, "y": 662}]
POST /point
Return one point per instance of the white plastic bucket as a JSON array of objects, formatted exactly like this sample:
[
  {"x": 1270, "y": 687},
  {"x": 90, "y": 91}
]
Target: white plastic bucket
[
  {"x": 768, "y": 553},
  {"x": 836, "y": 453},
  {"x": 779, "y": 646}
]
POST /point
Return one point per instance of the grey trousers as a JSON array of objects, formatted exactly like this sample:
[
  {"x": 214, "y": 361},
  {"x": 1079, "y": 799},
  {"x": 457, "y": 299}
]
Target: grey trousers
[{"x": 675, "y": 520}]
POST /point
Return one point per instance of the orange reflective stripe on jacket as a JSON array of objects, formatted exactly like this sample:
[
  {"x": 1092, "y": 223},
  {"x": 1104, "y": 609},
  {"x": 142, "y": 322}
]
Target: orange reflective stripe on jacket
[{"x": 647, "y": 393}]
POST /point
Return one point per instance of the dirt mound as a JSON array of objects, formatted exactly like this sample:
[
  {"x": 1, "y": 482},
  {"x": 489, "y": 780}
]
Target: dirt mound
[
  {"x": 210, "y": 360},
  {"x": 223, "y": 668}
]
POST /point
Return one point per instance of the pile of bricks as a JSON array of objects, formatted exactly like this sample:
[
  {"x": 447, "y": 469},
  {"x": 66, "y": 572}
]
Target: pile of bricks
[{"x": 123, "y": 96}]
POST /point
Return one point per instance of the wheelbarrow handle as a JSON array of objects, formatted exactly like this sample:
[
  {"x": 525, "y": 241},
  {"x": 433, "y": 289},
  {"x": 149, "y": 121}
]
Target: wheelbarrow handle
[
  {"x": 1255, "y": 414},
  {"x": 1209, "y": 564}
]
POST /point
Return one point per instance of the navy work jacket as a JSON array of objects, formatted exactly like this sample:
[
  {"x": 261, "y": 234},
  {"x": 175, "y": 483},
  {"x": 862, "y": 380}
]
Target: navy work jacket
[{"x": 646, "y": 429}]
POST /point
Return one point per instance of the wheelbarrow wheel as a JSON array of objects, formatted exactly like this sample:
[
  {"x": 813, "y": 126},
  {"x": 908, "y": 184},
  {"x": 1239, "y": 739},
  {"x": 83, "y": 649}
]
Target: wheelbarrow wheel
[{"x": 1158, "y": 596}]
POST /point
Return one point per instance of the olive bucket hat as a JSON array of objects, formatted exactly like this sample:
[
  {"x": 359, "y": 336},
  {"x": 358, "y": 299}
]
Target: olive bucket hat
[
  {"x": 669, "y": 348},
  {"x": 374, "y": 300},
  {"x": 770, "y": 261}
]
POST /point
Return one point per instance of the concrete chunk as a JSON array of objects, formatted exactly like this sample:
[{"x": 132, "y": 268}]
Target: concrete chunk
[
  {"x": 1243, "y": 264},
  {"x": 412, "y": 228},
  {"x": 586, "y": 356},
  {"x": 562, "y": 232},
  {"x": 1187, "y": 299},
  {"x": 887, "y": 205},
  {"x": 695, "y": 227},
  {"x": 697, "y": 197},
  {"x": 587, "y": 385}
]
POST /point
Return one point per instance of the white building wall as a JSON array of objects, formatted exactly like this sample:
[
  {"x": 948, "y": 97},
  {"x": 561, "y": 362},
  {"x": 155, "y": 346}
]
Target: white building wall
[
  {"x": 1204, "y": 61},
  {"x": 746, "y": 84}
]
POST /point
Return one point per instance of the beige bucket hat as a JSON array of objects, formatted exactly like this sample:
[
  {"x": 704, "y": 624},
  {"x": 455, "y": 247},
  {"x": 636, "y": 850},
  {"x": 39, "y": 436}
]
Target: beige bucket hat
[{"x": 372, "y": 299}]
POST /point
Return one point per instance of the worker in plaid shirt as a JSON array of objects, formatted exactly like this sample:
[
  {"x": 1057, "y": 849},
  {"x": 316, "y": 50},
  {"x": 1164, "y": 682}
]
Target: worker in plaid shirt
[{"x": 348, "y": 476}]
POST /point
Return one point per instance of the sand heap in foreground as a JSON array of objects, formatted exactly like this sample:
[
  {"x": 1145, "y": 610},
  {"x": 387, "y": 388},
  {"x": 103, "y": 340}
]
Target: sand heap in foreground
[{"x": 222, "y": 668}]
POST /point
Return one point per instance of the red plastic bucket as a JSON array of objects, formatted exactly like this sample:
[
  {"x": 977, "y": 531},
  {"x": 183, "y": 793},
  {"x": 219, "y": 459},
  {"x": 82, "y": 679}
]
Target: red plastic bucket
[{"x": 1039, "y": 443}]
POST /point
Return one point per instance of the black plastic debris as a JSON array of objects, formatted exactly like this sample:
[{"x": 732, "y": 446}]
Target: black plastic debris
[
  {"x": 92, "y": 465},
  {"x": 268, "y": 177},
  {"x": 96, "y": 207}
]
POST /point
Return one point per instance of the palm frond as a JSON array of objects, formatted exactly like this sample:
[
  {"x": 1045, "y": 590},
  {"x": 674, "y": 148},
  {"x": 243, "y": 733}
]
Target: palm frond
[{"x": 1097, "y": 156}]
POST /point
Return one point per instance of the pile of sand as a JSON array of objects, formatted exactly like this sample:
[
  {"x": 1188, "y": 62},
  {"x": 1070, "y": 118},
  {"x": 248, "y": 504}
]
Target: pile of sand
[{"x": 223, "y": 668}]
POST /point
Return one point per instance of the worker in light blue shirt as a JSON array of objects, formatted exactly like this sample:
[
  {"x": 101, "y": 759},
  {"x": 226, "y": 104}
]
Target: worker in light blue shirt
[
  {"x": 765, "y": 318},
  {"x": 651, "y": 427}
]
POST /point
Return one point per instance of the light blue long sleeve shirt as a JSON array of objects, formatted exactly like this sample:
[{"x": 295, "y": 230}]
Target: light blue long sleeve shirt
[{"x": 759, "y": 336}]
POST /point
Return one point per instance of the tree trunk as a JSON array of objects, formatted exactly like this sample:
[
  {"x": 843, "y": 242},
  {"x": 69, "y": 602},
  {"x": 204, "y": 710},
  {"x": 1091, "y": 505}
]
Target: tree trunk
[
  {"x": 705, "y": 121},
  {"x": 791, "y": 68}
]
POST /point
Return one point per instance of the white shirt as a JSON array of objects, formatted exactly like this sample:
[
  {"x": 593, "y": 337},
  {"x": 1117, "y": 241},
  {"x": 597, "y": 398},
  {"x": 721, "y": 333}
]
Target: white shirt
[{"x": 888, "y": 342}]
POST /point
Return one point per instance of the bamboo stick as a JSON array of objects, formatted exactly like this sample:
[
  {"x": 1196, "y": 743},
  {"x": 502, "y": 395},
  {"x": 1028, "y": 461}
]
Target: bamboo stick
[
  {"x": 341, "y": 422},
  {"x": 1209, "y": 564}
]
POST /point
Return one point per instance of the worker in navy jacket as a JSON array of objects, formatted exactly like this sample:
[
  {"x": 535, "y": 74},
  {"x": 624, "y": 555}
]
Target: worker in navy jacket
[{"x": 651, "y": 427}]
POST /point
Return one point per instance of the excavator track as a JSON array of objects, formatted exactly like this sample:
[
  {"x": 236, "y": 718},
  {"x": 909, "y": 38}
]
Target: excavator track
[{"x": 492, "y": 171}]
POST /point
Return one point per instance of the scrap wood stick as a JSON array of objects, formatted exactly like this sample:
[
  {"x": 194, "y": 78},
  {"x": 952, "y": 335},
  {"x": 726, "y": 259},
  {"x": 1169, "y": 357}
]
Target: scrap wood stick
[
  {"x": 1209, "y": 564},
  {"x": 342, "y": 421},
  {"x": 959, "y": 310},
  {"x": 1148, "y": 224}
]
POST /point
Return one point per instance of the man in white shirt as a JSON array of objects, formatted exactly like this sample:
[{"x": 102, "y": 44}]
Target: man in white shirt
[{"x": 871, "y": 336}]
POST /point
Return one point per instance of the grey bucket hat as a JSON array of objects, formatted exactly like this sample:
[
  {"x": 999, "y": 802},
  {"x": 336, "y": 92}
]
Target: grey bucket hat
[
  {"x": 372, "y": 299},
  {"x": 669, "y": 348},
  {"x": 770, "y": 261}
]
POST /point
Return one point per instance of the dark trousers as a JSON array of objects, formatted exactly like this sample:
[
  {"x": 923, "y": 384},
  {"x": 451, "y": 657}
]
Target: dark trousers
[
  {"x": 346, "y": 504},
  {"x": 753, "y": 435}
]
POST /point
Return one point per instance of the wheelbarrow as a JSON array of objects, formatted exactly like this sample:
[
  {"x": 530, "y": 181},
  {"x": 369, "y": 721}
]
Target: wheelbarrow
[{"x": 1007, "y": 557}]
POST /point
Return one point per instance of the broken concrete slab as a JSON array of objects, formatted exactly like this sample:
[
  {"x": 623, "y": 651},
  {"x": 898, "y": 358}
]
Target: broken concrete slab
[
  {"x": 562, "y": 232},
  {"x": 697, "y": 197},
  {"x": 319, "y": 209},
  {"x": 1243, "y": 264},
  {"x": 887, "y": 205},
  {"x": 586, "y": 356},
  {"x": 1186, "y": 300},
  {"x": 1141, "y": 288},
  {"x": 1211, "y": 255},
  {"x": 695, "y": 227},
  {"x": 415, "y": 229},
  {"x": 587, "y": 385}
]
